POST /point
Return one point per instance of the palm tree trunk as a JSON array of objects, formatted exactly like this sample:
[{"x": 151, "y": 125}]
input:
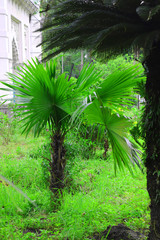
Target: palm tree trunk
[
  {"x": 57, "y": 164},
  {"x": 106, "y": 147},
  {"x": 152, "y": 137}
]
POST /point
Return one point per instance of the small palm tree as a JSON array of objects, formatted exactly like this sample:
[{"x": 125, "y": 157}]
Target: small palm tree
[{"x": 45, "y": 100}]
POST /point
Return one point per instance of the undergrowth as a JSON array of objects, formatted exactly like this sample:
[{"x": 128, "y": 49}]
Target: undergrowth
[{"x": 93, "y": 198}]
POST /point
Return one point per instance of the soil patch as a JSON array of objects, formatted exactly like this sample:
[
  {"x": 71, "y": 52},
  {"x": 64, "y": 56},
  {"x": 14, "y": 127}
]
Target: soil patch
[{"x": 119, "y": 232}]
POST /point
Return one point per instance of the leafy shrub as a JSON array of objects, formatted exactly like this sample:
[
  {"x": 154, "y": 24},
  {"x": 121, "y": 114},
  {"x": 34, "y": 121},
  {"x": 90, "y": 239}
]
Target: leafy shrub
[
  {"x": 7, "y": 127},
  {"x": 77, "y": 145},
  {"x": 43, "y": 152},
  {"x": 112, "y": 65}
]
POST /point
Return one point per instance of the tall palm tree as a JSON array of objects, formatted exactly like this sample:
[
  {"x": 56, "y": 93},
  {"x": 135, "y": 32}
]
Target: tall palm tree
[
  {"x": 110, "y": 27},
  {"x": 45, "y": 100}
]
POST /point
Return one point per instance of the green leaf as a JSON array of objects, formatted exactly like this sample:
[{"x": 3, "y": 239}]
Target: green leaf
[{"x": 18, "y": 190}]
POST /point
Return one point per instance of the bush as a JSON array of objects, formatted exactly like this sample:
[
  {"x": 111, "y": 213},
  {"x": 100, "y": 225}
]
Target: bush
[
  {"x": 77, "y": 145},
  {"x": 43, "y": 153},
  {"x": 7, "y": 127}
]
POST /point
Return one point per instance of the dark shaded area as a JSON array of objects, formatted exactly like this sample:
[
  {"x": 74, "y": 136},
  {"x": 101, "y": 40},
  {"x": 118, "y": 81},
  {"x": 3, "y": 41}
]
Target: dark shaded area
[
  {"x": 32, "y": 230},
  {"x": 119, "y": 232}
]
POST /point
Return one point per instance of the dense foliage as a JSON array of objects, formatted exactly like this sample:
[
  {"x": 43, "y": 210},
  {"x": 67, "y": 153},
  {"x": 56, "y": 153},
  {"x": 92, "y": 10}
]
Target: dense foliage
[
  {"x": 97, "y": 25},
  {"x": 108, "y": 28}
]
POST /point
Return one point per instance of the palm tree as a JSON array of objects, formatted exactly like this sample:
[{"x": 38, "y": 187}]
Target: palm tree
[
  {"x": 45, "y": 100},
  {"x": 108, "y": 28}
]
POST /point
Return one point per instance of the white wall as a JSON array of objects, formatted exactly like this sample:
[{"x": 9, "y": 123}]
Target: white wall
[
  {"x": 15, "y": 23},
  {"x": 35, "y": 37}
]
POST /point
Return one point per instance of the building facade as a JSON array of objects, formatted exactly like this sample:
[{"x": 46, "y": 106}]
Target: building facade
[{"x": 18, "y": 40}]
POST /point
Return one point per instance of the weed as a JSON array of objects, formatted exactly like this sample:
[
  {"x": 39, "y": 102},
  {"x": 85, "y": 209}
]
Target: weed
[
  {"x": 93, "y": 200},
  {"x": 7, "y": 127}
]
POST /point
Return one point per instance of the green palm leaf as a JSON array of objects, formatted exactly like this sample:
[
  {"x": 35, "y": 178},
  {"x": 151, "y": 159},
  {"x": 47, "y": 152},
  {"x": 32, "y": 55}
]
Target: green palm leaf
[
  {"x": 117, "y": 89},
  {"x": 18, "y": 190},
  {"x": 44, "y": 98},
  {"x": 123, "y": 151}
]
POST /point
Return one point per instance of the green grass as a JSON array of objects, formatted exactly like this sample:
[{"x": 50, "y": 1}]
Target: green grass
[{"x": 93, "y": 199}]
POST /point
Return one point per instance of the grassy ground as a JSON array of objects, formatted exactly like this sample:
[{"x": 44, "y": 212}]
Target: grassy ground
[{"x": 93, "y": 199}]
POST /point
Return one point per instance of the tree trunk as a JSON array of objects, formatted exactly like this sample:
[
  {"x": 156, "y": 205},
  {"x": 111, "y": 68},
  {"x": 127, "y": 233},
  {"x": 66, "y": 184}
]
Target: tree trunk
[
  {"x": 57, "y": 164},
  {"x": 152, "y": 137},
  {"x": 106, "y": 147}
]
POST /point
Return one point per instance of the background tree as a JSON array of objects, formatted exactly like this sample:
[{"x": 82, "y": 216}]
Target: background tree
[
  {"x": 48, "y": 100},
  {"x": 108, "y": 28}
]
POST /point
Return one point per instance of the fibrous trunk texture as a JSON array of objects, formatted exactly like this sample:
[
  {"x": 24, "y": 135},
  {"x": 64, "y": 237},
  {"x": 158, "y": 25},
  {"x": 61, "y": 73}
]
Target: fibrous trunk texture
[
  {"x": 152, "y": 137},
  {"x": 106, "y": 147},
  {"x": 57, "y": 164}
]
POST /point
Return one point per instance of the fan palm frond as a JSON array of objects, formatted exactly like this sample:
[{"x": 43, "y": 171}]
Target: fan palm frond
[
  {"x": 124, "y": 152},
  {"x": 117, "y": 89},
  {"x": 45, "y": 98}
]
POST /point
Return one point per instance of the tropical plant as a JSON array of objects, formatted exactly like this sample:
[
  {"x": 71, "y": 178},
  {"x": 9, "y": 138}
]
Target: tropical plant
[
  {"x": 108, "y": 28},
  {"x": 58, "y": 104}
]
